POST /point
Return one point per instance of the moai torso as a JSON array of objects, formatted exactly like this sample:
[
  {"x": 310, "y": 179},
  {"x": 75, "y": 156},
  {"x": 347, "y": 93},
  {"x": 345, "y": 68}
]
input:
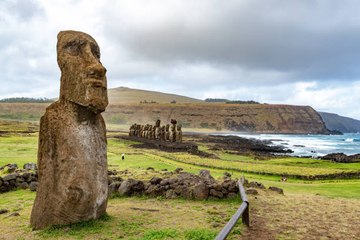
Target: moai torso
[
  {"x": 179, "y": 134},
  {"x": 72, "y": 161},
  {"x": 167, "y": 132},
  {"x": 157, "y": 129},
  {"x": 162, "y": 133},
  {"x": 173, "y": 133}
]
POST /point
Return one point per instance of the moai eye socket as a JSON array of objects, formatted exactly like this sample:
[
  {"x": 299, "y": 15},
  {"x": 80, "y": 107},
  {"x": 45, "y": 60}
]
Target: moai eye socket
[
  {"x": 95, "y": 50},
  {"x": 74, "y": 47}
]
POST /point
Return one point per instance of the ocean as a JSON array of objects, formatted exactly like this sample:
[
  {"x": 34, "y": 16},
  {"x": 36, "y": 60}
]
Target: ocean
[{"x": 312, "y": 145}]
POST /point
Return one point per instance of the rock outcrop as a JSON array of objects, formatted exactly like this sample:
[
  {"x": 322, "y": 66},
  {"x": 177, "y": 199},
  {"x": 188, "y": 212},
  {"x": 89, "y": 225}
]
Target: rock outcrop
[{"x": 72, "y": 160}]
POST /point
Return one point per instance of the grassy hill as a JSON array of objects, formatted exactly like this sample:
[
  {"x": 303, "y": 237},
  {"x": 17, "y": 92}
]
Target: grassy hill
[
  {"x": 123, "y": 95},
  {"x": 127, "y": 107}
]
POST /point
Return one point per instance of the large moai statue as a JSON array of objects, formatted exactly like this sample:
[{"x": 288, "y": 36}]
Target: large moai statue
[
  {"x": 162, "y": 134},
  {"x": 173, "y": 130},
  {"x": 157, "y": 129},
  {"x": 167, "y": 132},
  {"x": 178, "y": 133},
  {"x": 72, "y": 160}
]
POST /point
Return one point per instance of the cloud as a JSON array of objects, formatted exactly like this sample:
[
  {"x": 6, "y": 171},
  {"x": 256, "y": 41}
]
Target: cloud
[{"x": 294, "y": 52}]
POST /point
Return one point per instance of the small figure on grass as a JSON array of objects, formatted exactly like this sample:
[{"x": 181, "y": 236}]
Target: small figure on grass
[{"x": 123, "y": 156}]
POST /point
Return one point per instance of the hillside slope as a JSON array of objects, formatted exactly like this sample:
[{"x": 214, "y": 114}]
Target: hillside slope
[
  {"x": 123, "y": 95},
  {"x": 260, "y": 118},
  {"x": 340, "y": 123},
  {"x": 125, "y": 108}
]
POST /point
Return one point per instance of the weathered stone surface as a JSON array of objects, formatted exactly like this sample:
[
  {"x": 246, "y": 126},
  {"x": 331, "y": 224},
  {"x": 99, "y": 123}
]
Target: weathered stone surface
[
  {"x": 216, "y": 193},
  {"x": 155, "y": 180},
  {"x": 23, "y": 185},
  {"x": 256, "y": 185},
  {"x": 201, "y": 191},
  {"x": 30, "y": 166},
  {"x": 251, "y": 191},
  {"x": 131, "y": 187},
  {"x": 276, "y": 189},
  {"x": 10, "y": 177},
  {"x": 72, "y": 161},
  {"x": 33, "y": 186}
]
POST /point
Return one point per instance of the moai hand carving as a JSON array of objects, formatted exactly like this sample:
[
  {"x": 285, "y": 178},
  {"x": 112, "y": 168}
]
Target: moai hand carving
[{"x": 72, "y": 160}]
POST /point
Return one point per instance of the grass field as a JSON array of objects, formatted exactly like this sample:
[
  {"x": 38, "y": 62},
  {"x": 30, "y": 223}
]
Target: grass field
[{"x": 318, "y": 209}]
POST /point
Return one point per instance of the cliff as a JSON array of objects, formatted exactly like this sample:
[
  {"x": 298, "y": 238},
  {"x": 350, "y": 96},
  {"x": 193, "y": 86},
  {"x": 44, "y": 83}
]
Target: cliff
[
  {"x": 340, "y": 123},
  {"x": 259, "y": 118}
]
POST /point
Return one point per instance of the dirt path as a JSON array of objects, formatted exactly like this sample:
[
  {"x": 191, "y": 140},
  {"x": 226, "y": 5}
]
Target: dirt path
[{"x": 296, "y": 216}]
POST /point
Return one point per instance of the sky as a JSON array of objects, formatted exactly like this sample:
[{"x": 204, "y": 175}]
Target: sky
[{"x": 304, "y": 52}]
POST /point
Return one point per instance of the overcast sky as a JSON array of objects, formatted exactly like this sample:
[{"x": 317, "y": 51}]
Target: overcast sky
[{"x": 304, "y": 52}]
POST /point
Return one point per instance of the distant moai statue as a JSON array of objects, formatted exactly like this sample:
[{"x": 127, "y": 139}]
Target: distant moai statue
[
  {"x": 136, "y": 132},
  {"x": 173, "y": 130},
  {"x": 167, "y": 132},
  {"x": 157, "y": 129},
  {"x": 72, "y": 156},
  {"x": 179, "y": 134},
  {"x": 142, "y": 129},
  {"x": 132, "y": 130},
  {"x": 162, "y": 133}
]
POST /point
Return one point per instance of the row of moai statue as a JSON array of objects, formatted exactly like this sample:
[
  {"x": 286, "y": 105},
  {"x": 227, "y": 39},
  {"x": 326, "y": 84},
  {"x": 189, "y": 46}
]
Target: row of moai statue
[{"x": 169, "y": 132}]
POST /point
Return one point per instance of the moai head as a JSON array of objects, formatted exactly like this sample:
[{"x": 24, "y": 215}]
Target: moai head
[
  {"x": 158, "y": 123},
  {"x": 83, "y": 79},
  {"x": 178, "y": 127},
  {"x": 173, "y": 121},
  {"x": 167, "y": 127}
]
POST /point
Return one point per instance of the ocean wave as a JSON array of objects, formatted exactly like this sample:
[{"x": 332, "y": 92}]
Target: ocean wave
[{"x": 352, "y": 140}]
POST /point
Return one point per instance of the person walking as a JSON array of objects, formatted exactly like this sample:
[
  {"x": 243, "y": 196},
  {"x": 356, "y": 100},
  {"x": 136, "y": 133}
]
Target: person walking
[{"x": 123, "y": 156}]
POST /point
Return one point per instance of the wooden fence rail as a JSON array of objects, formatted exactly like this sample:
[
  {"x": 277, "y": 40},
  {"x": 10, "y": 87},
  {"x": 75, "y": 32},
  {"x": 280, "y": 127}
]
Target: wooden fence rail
[{"x": 242, "y": 211}]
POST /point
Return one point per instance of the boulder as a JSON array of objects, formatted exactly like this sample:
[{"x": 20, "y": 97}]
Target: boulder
[
  {"x": 201, "y": 191},
  {"x": 23, "y": 185},
  {"x": 33, "y": 186},
  {"x": 10, "y": 177},
  {"x": 131, "y": 187},
  {"x": 30, "y": 166},
  {"x": 171, "y": 194},
  {"x": 256, "y": 185},
  {"x": 114, "y": 186},
  {"x": 155, "y": 180},
  {"x": 215, "y": 193},
  {"x": 12, "y": 167},
  {"x": 251, "y": 191},
  {"x": 276, "y": 189}
]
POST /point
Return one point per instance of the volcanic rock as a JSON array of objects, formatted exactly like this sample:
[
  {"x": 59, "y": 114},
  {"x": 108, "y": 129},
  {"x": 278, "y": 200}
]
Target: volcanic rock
[{"x": 72, "y": 160}]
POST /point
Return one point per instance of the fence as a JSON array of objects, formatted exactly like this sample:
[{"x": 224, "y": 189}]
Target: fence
[{"x": 242, "y": 211}]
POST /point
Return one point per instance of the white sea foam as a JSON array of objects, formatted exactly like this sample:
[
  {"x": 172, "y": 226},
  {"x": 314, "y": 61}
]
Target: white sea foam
[{"x": 312, "y": 145}]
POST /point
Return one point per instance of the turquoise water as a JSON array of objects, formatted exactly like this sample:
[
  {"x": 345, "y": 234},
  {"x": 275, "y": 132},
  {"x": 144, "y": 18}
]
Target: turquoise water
[{"x": 312, "y": 145}]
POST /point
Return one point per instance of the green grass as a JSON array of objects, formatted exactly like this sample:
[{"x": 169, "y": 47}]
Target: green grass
[
  {"x": 121, "y": 222},
  {"x": 21, "y": 149},
  {"x": 18, "y": 149}
]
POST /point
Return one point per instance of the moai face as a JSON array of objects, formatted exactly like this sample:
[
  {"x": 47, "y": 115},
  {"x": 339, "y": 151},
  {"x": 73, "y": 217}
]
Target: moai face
[
  {"x": 158, "y": 123},
  {"x": 178, "y": 127},
  {"x": 83, "y": 77},
  {"x": 167, "y": 127}
]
